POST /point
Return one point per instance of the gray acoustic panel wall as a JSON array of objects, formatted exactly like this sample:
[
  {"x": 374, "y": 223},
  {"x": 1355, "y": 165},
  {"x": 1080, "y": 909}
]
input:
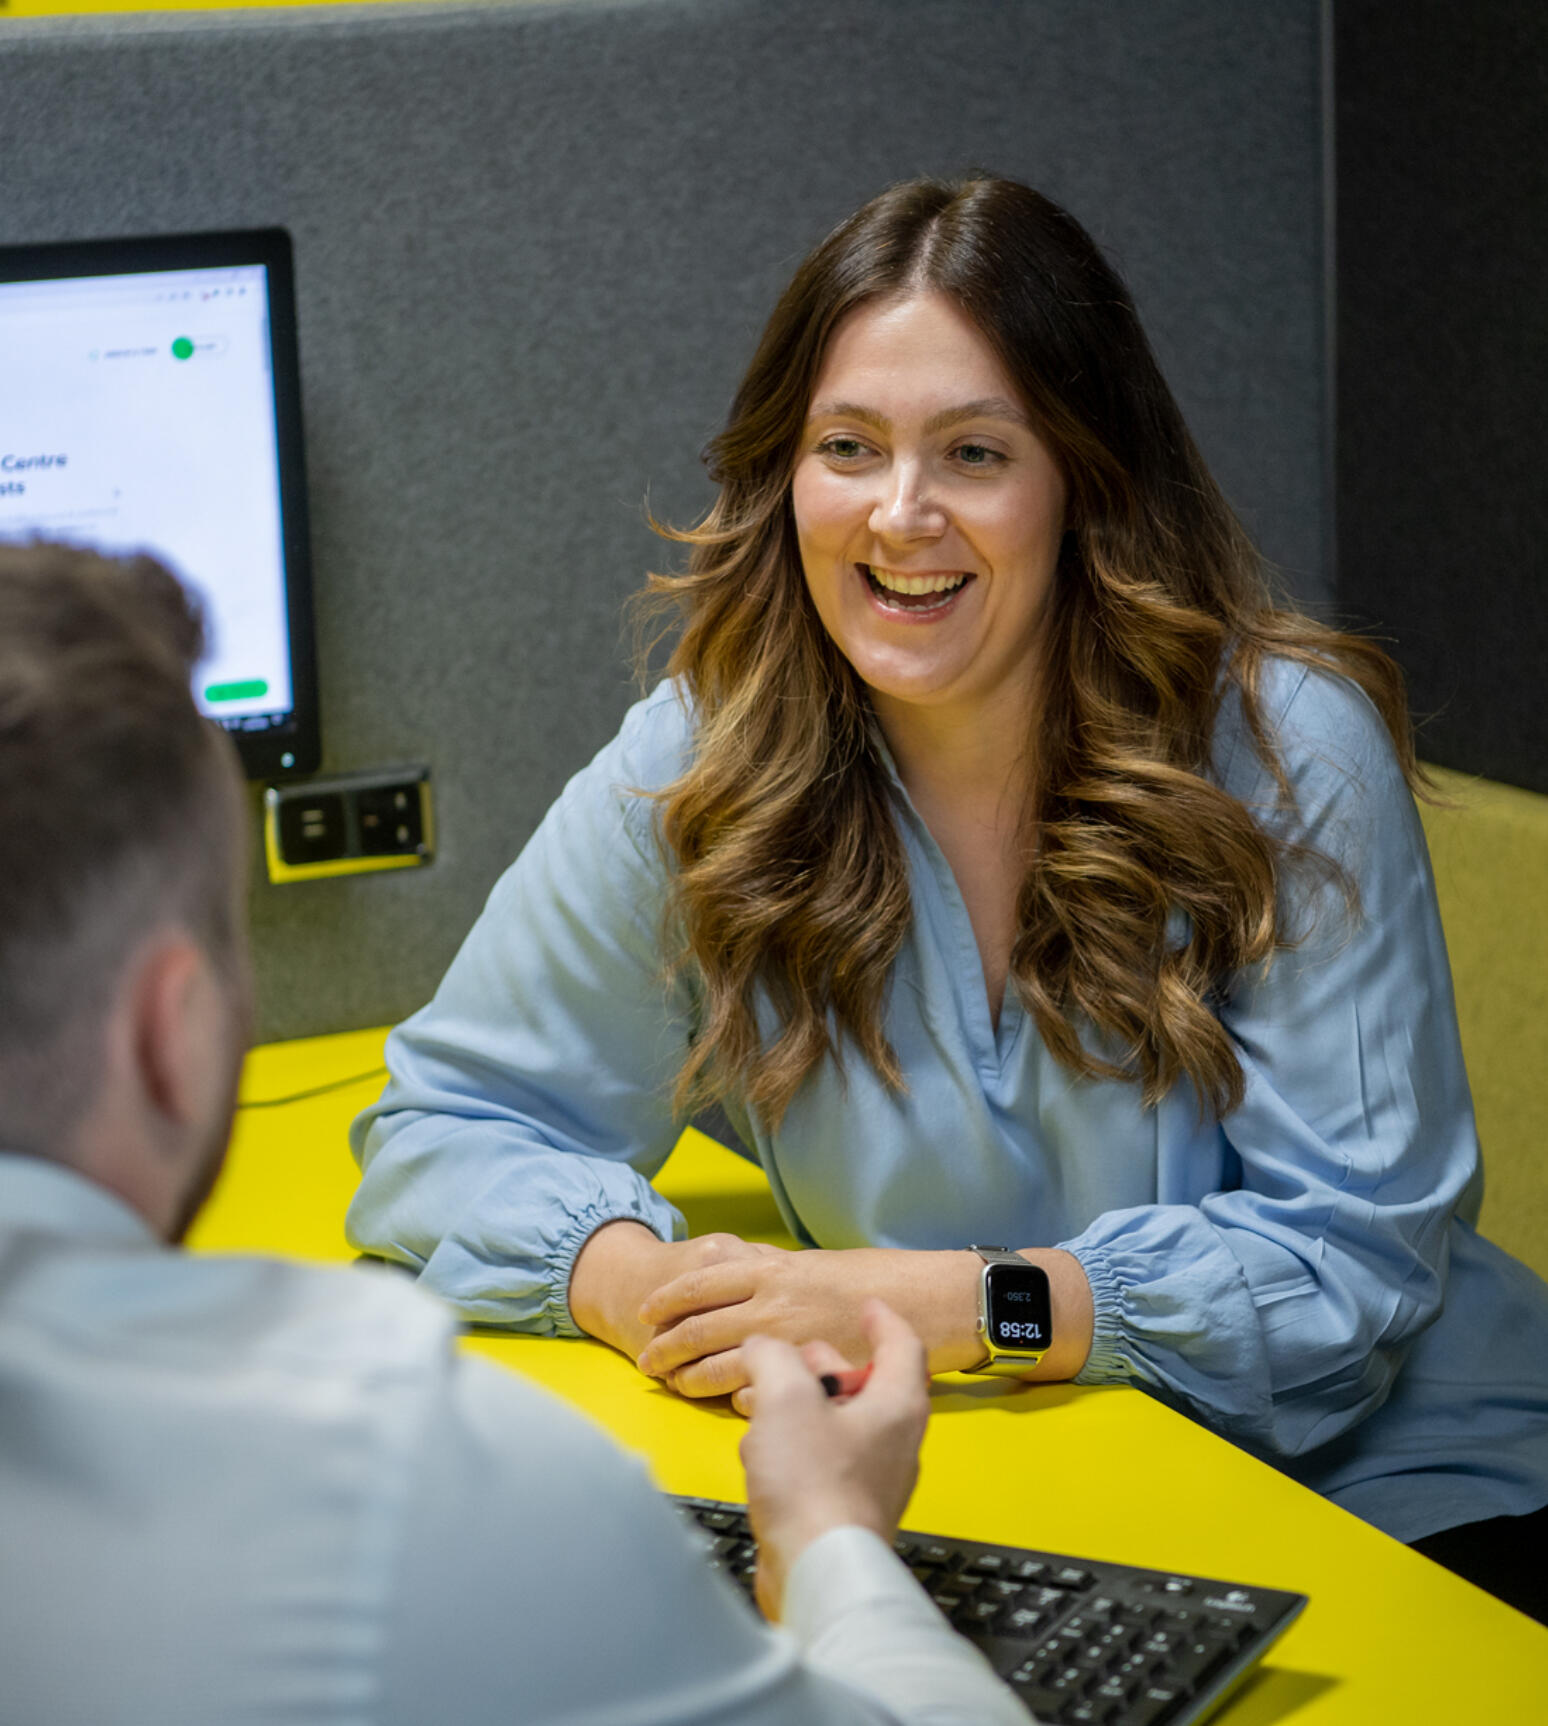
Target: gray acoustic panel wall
[
  {"x": 1442, "y": 399},
  {"x": 534, "y": 247}
]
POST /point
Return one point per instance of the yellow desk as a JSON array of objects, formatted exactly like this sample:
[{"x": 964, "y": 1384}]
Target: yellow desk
[{"x": 1104, "y": 1472}]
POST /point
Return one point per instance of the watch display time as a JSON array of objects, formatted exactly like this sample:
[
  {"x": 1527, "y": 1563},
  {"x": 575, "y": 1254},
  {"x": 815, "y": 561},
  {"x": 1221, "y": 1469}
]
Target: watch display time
[{"x": 1019, "y": 1309}]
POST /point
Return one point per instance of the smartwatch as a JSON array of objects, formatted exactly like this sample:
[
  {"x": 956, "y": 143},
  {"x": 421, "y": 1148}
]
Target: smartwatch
[{"x": 1015, "y": 1313}]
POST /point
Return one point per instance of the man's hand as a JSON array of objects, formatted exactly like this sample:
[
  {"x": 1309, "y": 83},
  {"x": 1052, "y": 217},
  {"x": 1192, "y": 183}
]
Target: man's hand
[
  {"x": 814, "y": 1464},
  {"x": 702, "y": 1317}
]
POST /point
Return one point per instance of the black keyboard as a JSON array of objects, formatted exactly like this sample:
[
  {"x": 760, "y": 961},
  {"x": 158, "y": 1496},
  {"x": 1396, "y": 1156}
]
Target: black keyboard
[{"x": 1080, "y": 1641}]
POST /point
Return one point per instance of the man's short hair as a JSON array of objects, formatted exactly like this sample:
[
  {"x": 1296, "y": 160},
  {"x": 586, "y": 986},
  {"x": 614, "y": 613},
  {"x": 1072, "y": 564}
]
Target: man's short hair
[{"x": 117, "y": 809}]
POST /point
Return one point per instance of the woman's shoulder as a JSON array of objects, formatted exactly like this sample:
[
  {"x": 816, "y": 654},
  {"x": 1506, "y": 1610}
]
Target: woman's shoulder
[
  {"x": 1323, "y": 727},
  {"x": 651, "y": 748},
  {"x": 655, "y": 741}
]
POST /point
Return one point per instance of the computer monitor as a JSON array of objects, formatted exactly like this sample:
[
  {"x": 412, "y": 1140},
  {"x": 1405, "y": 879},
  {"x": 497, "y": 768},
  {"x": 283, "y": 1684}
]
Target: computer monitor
[{"x": 150, "y": 401}]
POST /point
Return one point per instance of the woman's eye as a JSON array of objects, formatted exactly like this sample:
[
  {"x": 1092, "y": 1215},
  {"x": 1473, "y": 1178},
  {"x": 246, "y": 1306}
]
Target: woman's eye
[
  {"x": 842, "y": 448},
  {"x": 977, "y": 455}
]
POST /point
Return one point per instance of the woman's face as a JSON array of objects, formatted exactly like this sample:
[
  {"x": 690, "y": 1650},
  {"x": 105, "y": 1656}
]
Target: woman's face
[{"x": 929, "y": 513}]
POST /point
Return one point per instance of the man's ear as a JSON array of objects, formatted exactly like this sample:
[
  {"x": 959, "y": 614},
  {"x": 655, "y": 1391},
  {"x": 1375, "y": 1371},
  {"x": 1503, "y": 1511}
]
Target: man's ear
[{"x": 177, "y": 1027}]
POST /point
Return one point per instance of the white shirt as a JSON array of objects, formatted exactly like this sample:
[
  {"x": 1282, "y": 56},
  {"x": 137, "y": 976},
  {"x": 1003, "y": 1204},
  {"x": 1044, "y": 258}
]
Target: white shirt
[{"x": 234, "y": 1489}]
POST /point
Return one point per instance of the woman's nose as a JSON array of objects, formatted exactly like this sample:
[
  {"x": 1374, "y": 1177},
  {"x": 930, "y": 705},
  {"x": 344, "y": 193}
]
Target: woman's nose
[{"x": 905, "y": 509}]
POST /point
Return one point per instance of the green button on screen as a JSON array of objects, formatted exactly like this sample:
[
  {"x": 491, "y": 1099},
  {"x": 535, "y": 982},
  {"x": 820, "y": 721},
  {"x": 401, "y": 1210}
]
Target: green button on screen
[
  {"x": 236, "y": 691},
  {"x": 182, "y": 349}
]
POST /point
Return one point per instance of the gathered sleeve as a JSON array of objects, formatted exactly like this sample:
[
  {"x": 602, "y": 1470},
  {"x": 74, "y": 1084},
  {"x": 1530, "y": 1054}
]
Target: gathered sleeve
[
  {"x": 1281, "y": 1309},
  {"x": 530, "y": 1102}
]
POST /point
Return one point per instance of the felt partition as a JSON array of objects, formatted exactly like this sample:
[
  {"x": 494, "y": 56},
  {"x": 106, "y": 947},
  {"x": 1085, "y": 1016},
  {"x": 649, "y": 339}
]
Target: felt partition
[{"x": 534, "y": 247}]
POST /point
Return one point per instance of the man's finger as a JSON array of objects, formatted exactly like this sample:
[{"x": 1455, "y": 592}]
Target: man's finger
[
  {"x": 898, "y": 1357},
  {"x": 822, "y": 1356},
  {"x": 776, "y": 1369}
]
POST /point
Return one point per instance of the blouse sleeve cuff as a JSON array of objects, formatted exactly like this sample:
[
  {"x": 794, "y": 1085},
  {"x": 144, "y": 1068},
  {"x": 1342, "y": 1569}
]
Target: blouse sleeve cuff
[
  {"x": 1109, "y": 1361},
  {"x": 662, "y": 1219}
]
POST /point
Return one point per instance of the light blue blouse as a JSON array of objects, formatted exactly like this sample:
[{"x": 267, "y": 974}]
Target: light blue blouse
[{"x": 1303, "y": 1276}]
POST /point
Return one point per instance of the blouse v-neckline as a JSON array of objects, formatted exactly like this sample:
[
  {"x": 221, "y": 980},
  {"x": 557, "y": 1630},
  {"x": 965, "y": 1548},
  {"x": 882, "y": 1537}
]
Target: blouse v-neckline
[{"x": 993, "y": 1043}]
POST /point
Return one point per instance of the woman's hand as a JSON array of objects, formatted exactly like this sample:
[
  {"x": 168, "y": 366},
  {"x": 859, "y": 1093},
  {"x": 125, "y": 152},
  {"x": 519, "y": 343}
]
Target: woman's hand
[
  {"x": 682, "y": 1309},
  {"x": 813, "y": 1465},
  {"x": 702, "y": 1316},
  {"x": 624, "y": 1262}
]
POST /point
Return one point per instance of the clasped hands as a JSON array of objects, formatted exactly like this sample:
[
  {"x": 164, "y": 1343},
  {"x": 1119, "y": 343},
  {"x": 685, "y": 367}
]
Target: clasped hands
[{"x": 682, "y": 1309}]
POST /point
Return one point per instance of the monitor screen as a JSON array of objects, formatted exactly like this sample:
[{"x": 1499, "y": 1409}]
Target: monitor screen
[{"x": 150, "y": 401}]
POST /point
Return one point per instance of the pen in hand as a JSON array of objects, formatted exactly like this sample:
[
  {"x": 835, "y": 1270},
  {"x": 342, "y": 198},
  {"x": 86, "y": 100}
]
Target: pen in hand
[{"x": 846, "y": 1383}]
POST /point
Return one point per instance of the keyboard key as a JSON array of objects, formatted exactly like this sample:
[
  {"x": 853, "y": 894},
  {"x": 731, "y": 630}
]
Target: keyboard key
[
  {"x": 1072, "y": 1576},
  {"x": 1189, "y": 1667},
  {"x": 1044, "y": 1703},
  {"x": 985, "y": 1564},
  {"x": 1232, "y": 1629},
  {"x": 1154, "y": 1703}
]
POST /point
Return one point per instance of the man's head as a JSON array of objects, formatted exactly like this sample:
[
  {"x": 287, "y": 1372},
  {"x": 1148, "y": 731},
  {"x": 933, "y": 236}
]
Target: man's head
[{"x": 123, "y": 961}]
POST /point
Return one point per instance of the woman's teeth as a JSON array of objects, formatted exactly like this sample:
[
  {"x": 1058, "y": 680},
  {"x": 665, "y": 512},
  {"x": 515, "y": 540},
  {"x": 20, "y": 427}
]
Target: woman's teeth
[{"x": 915, "y": 586}]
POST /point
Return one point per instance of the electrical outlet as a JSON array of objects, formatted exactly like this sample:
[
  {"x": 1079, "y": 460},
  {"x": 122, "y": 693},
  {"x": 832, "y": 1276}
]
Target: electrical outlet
[{"x": 350, "y": 825}]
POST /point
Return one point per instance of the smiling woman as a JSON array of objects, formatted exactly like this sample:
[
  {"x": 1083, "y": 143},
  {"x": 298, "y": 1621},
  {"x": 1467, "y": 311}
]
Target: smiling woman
[{"x": 1005, "y": 863}]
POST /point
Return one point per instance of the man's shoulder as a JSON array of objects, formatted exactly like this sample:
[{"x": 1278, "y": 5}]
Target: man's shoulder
[
  {"x": 362, "y": 1321},
  {"x": 219, "y": 1317}
]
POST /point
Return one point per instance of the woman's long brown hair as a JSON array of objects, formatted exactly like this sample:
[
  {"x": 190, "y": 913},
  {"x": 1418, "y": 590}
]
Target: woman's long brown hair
[{"x": 791, "y": 891}]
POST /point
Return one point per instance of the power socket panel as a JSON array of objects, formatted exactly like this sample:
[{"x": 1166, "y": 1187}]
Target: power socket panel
[{"x": 354, "y": 824}]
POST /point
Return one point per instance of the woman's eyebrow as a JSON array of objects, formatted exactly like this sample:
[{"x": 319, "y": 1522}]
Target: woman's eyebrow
[{"x": 987, "y": 408}]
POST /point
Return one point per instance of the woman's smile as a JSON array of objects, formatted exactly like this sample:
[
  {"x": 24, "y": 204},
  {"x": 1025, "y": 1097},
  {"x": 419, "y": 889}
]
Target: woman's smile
[{"x": 915, "y": 594}]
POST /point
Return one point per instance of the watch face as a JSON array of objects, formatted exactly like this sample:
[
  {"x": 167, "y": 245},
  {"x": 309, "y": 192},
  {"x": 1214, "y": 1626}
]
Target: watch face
[{"x": 1019, "y": 1311}]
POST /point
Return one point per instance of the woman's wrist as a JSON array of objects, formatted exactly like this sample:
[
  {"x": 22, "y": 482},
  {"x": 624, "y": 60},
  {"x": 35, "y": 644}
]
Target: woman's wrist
[
  {"x": 1070, "y": 1296},
  {"x": 949, "y": 1322},
  {"x": 962, "y": 1348},
  {"x": 613, "y": 1272}
]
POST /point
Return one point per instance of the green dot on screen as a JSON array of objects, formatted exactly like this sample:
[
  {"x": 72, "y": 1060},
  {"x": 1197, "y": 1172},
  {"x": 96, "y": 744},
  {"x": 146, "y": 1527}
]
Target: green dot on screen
[
  {"x": 236, "y": 691},
  {"x": 182, "y": 349}
]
